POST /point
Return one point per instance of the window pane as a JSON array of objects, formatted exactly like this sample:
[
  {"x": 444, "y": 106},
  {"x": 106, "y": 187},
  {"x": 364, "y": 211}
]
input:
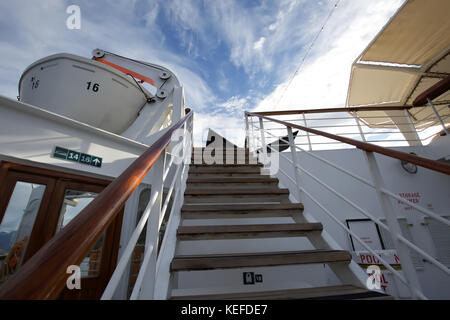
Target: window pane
[
  {"x": 17, "y": 224},
  {"x": 74, "y": 202}
]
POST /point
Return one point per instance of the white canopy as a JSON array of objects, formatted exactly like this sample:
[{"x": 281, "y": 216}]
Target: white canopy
[{"x": 409, "y": 55}]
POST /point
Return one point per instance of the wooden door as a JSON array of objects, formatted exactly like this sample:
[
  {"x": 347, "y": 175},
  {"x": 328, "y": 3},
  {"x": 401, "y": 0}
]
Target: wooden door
[{"x": 56, "y": 198}]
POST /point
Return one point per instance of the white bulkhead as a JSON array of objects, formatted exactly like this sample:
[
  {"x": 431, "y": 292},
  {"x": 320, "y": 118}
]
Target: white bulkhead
[{"x": 84, "y": 90}]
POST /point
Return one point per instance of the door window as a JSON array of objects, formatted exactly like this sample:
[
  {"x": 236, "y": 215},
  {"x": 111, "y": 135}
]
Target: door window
[
  {"x": 37, "y": 203},
  {"x": 74, "y": 202},
  {"x": 17, "y": 224}
]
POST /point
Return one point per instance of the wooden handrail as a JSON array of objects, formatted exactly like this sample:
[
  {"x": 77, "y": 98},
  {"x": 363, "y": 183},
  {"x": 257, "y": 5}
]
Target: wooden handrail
[
  {"x": 432, "y": 92},
  {"x": 329, "y": 110},
  {"x": 44, "y": 275},
  {"x": 420, "y": 161}
]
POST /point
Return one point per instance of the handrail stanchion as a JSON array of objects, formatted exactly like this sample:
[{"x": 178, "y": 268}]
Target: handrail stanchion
[
  {"x": 263, "y": 141},
  {"x": 394, "y": 227},
  {"x": 361, "y": 132},
  {"x": 307, "y": 133},
  {"x": 147, "y": 270},
  {"x": 412, "y": 126},
  {"x": 247, "y": 137},
  {"x": 250, "y": 133},
  {"x": 294, "y": 161},
  {"x": 438, "y": 116},
  {"x": 253, "y": 134}
]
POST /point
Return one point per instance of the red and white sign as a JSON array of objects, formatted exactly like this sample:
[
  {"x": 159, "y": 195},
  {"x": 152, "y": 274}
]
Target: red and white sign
[
  {"x": 365, "y": 259},
  {"x": 413, "y": 197}
]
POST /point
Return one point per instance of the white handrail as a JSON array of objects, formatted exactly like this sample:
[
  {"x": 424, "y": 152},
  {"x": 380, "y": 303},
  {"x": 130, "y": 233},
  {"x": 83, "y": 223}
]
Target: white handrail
[
  {"x": 368, "y": 183},
  {"x": 123, "y": 262},
  {"x": 377, "y": 221},
  {"x": 418, "y": 126},
  {"x": 413, "y": 284},
  {"x": 150, "y": 245},
  {"x": 149, "y": 251}
]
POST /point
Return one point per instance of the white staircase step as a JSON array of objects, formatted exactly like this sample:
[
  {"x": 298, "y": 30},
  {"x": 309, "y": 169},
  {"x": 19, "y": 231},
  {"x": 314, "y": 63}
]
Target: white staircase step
[
  {"x": 247, "y": 231},
  {"x": 340, "y": 292},
  {"x": 240, "y": 210},
  {"x": 222, "y": 169},
  {"x": 239, "y": 260},
  {"x": 231, "y": 181},
  {"x": 236, "y": 195}
]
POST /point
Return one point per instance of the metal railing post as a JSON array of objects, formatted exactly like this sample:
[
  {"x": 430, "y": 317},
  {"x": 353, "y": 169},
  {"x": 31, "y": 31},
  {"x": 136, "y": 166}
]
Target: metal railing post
[
  {"x": 307, "y": 133},
  {"x": 355, "y": 115},
  {"x": 253, "y": 144},
  {"x": 438, "y": 117},
  {"x": 148, "y": 266},
  {"x": 247, "y": 137},
  {"x": 263, "y": 141},
  {"x": 394, "y": 228},
  {"x": 167, "y": 251},
  {"x": 294, "y": 161}
]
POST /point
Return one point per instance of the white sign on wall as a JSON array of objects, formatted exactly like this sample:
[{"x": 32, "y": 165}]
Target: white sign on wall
[{"x": 368, "y": 231}]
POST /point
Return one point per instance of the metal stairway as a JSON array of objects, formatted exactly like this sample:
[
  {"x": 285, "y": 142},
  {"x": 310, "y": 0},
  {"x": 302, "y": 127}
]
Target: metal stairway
[{"x": 239, "y": 191}]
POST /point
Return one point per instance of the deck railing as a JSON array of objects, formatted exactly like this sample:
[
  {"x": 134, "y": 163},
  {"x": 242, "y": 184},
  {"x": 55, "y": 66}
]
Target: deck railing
[
  {"x": 388, "y": 126},
  {"x": 256, "y": 137},
  {"x": 44, "y": 275}
]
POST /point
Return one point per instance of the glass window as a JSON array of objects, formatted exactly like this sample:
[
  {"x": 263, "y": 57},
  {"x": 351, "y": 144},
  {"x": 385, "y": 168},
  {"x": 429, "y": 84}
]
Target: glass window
[
  {"x": 17, "y": 224},
  {"x": 74, "y": 202}
]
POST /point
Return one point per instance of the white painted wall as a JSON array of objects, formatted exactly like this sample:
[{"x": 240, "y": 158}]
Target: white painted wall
[{"x": 31, "y": 133}]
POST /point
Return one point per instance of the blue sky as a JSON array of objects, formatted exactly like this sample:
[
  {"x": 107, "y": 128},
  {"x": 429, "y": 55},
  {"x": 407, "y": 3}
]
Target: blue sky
[{"x": 230, "y": 56}]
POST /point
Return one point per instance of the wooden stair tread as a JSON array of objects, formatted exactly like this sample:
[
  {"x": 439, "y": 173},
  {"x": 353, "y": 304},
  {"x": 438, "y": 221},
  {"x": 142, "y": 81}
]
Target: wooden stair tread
[
  {"x": 225, "y": 165},
  {"x": 250, "y": 228},
  {"x": 237, "y": 210},
  {"x": 231, "y": 179},
  {"x": 260, "y": 259},
  {"x": 246, "y": 150},
  {"x": 340, "y": 292},
  {"x": 242, "y": 207},
  {"x": 224, "y": 169},
  {"x": 236, "y": 191},
  {"x": 246, "y": 231}
]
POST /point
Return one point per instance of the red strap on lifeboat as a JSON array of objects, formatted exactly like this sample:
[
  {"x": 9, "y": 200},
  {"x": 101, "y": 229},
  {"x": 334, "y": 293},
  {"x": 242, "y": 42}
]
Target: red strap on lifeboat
[{"x": 127, "y": 71}]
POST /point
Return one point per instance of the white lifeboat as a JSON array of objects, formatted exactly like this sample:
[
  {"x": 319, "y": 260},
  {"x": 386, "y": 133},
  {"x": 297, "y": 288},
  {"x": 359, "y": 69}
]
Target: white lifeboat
[{"x": 84, "y": 90}]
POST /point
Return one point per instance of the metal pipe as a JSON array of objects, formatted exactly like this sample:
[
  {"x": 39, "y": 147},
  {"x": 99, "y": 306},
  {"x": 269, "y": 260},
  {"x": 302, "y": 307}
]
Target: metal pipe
[{"x": 438, "y": 117}]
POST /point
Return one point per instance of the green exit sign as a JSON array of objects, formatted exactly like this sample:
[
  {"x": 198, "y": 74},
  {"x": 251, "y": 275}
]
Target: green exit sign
[{"x": 75, "y": 156}]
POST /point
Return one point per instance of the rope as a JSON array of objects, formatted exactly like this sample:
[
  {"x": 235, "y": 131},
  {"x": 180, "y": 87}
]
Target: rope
[
  {"x": 148, "y": 98},
  {"x": 308, "y": 51}
]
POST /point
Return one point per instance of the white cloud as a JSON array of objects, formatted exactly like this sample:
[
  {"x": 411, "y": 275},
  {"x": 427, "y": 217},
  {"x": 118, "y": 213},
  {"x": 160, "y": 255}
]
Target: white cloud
[
  {"x": 323, "y": 79},
  {"x": 262, "y": 39},
  {"x": 259, "y": 44},
  {"x": 235, "y": 105},
  {"x": 232, "y": 128},
  {"x": 37, "y": 30}
]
